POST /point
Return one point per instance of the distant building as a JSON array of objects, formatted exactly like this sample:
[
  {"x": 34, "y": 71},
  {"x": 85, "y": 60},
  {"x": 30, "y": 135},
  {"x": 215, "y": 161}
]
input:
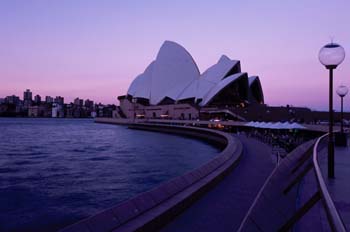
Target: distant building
[
  {"x": 37, "y": 99},
  {"x": 27, "y": 95},
  {"x": 12, "y": 100},
  {"x": 8, "y": 110},
  {"x": 57, "y": 110},
  {"x": 78, "y": 102},
  {"x": 69, "y": 110},
  {"x": 59, "y": 100},
  {"x": 39, "y": 111},
  {"x": 89, "y": 104},
  {"x": 93, "y": 114},
  {"x": 3, "y": 109},
  {"x": 27, "y": 99},
  {"x": 105, "y": 111},
  {"x": 13, "y": 106},
  {"x": 48, "y": 99},
  {"x": 78, "y": 112}
]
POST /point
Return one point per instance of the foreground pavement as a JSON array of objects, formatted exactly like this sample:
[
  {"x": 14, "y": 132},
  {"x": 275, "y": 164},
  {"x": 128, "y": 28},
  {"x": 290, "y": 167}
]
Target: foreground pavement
[
  {"x": 339, "y": 188},
  {"x": 224, "y": 207}
]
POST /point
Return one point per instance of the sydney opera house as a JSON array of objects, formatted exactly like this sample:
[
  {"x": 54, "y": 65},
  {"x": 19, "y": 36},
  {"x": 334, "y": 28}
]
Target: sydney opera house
[{"x": 173, "y": 87}]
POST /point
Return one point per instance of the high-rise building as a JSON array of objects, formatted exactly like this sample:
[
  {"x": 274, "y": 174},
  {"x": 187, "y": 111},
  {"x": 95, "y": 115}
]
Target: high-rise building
[
  {"x": 27, "y": 98},
  {"x": 57, "y": 111},
  {"x": 78, "y": 102},
  {"x": 48, "y": 99},
  {"x": 89, "y": 104},
  {"x": 27, "y": 95},
  {"x": 59, "y": 100},
  {"x": 12, "y": 100},
  {"x": 37, "y": 99},
  {"x": 69, "y": 110}
]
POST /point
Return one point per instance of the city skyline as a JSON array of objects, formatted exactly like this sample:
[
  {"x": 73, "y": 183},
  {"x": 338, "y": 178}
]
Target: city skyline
[
  {"x": 95, "y": 49},
  {"x": 33, "y": 105},
  {"x": 33, "y": 95}
]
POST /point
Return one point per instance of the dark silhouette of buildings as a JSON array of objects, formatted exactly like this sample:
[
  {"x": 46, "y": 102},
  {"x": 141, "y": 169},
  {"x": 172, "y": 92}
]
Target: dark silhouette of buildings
[{"x": 13, "y": 106}]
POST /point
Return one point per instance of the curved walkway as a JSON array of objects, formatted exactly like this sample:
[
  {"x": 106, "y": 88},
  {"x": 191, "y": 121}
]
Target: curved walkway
[{"x": 224, "y": 207}]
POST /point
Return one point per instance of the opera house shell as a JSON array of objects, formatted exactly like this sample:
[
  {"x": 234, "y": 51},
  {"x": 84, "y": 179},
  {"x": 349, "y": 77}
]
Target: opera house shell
[{"x": 174, "y": 78}]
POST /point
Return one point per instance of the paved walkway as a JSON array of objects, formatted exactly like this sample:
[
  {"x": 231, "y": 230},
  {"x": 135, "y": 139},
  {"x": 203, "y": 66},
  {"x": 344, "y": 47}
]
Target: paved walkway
[
  {"x": 224, "y": 207},
  {"x": 339, "y": 188}
]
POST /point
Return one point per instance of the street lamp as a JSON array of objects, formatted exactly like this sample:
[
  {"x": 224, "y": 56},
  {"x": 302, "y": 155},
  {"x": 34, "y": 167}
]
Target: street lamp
[
  {"x": 331, "y": 55},
  {"x": 342, "y": 91}
]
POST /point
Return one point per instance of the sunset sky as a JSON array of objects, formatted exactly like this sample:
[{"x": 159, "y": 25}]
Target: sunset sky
[{"x": 94, "y": 49}]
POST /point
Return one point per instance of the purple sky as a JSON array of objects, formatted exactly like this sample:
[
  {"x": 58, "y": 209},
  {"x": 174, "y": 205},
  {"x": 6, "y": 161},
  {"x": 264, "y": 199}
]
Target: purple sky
[{"x": 94, "y": 49}]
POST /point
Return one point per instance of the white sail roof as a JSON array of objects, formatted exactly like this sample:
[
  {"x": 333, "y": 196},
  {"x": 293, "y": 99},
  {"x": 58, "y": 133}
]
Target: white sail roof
[
  {"x": 217, "y": 72},
  {"x": 197, "y": 89},
  {"x": 141, "y": 86},
  {"x": 174, "y": 69},
  {"x": 219, "y": 86},
  {"x": 190, "y": 91},
  {"x": 204, "y": 87},
  {"x": 135, "y": 84},
  {"x": 175, "y": 75},
  {"x": 213, "y": 75}
]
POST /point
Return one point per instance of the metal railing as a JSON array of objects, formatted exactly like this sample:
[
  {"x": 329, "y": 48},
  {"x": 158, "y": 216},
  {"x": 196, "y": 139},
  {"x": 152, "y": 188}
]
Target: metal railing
[
  {"x": 333, "y": 216},
  {"x": 299, "y": 171}
]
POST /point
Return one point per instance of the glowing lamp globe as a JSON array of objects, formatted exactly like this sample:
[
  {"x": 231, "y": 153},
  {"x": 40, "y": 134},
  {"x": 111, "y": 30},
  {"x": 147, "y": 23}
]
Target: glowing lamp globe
[
  {"x": 342, "y": 90},
  {"x": 331, "y": 55}
]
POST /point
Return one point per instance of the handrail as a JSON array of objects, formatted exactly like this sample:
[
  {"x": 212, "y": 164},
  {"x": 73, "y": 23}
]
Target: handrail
[{"x": 332, "y": 213}]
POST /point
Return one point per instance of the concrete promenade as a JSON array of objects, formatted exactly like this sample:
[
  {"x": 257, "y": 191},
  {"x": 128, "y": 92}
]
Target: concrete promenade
[
  {"x": 339, "y": 188},
  {"x": 224, "y": 207}
]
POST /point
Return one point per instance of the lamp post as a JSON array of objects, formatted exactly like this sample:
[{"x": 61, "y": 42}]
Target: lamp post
[
  {"x": 331, "y": 55},
  {"x": 342, "y": 91}
]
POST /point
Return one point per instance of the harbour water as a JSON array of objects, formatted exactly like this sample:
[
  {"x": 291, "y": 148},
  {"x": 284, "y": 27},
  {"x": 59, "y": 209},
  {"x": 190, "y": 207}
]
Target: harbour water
[{"x": 54, "y": 172}]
